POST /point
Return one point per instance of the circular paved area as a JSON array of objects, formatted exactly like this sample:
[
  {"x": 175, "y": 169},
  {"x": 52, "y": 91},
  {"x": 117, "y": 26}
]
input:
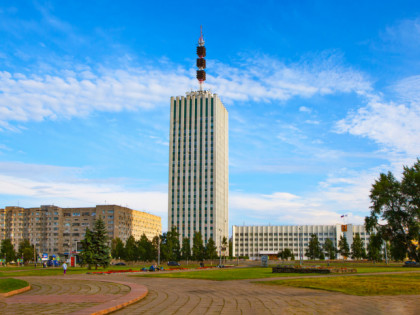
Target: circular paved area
[
  {"x": 185, "y": 296},
  {"x": 54, "y": 295}
]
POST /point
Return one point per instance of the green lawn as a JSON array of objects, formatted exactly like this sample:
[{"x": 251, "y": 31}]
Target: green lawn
[
  {"x": 359, "y": 285},
  {"x": 222, "y": 274},
  {"x": 8, "y": 284}
]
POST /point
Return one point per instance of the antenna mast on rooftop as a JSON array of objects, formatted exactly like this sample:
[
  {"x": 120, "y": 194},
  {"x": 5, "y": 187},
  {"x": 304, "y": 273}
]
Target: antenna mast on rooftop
[{"x": 201, "y": 62}]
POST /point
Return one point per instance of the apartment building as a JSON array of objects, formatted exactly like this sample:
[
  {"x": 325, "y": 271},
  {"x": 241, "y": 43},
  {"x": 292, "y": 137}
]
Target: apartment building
[
  {"x": 57, "y": 230},
  {"x": 255, "y": 241}
]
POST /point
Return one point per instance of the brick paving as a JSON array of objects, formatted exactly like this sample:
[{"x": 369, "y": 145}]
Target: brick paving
[
  {"x": 54, "y": 295},
  {"x": 187, "y": 296}
]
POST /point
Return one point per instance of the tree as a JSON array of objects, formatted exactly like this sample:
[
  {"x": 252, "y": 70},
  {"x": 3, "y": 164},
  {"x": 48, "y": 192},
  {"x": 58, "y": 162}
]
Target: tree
[
  {"x": 211, "y": 250},
  {"x": 145, "y": 249},
  {"x": 186, "y": 249},
  {"x": 343, "y": 247},
  {"x": 314, "y": 248},
  {"x": 230, "y": 248},
  {"x": 117, "y": 248},
  {"x": 357, "y": 248},
  {"x": 330, "y": 249},
  {"x": 86, "y": 254},
  {"x": 26, "y": 250},
  {"x": 170, "y": 248},
  {"x": 130, "y": 249},
  {"x": 198, "y": 251},
  {"x": 100, "y": 248},
  {"x": 395, "y": 210},
  {"x": 285, "y": 254},
  {"x": 7, "y": 250},
  {"x": 374, "y": 247}
]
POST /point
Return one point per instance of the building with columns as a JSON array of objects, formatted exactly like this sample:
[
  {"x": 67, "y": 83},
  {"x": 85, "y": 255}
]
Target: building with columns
[
  {"x": 198, "y": 166},
  {"x": 255, "y": 241}
]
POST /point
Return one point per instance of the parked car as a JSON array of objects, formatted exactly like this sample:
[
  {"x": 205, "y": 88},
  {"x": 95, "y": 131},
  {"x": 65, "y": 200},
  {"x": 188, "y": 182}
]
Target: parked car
[
  {"x": 410, "y": 263},
  {"x": 173, "y": 263},
  {"x": 119, "y": 264}
]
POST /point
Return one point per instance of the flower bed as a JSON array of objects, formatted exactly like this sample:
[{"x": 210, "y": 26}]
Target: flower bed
[{"x": 313, "y": 269}]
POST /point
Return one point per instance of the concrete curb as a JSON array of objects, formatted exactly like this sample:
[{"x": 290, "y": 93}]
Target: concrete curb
[
  {"x": 14, "y": 292},
  {"x": 136, "y": 293}
]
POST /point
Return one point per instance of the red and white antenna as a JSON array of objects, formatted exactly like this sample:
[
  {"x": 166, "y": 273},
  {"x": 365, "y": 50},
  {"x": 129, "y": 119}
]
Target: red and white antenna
[{"x": 201, "y": 62}]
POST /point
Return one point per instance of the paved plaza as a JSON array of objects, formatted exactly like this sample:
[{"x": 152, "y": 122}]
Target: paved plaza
[{"x": 81, "y": 294}]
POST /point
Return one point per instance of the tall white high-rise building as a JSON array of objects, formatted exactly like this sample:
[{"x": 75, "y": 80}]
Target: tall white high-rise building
[{"x": 198, "y": 166}]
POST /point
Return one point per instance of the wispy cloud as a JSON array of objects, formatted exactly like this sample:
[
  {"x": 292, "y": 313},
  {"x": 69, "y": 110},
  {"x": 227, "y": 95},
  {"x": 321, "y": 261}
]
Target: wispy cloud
[
  {"x": 67, "y": 187},
  {"x": 393, "y": 125},
  {"x": 79, "y": 89}
]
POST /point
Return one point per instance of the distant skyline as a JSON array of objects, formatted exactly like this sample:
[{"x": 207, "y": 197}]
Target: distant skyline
[{"x": 321, "y": 96}]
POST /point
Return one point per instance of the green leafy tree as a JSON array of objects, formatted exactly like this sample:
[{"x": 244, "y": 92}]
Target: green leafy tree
[
  {"x": 130, "y": 249},
  {"x": 375, "y": 247},
  {"x": 285, "y": 254},
  {"x": 330, "y": 249},
  {"x": 186, "y": 249},
  {"x": 7, "y": 250},
  {"x": 170, "y": 248},
  {"x": 100, "y": 248},
  {"x": 357, "y": 248},
  {"x": 86, "y": 255},
  {"x": 198, "y": 250},
  {"x": 343, "y": 247},
  {"x": 26, "y": 250},
  {"x": 211, "y": 250},
  {"x": 395, "y": 210},
  {"x": 396, "y": 252},
  {"x": 145, "y": 248},
  {"x": 230, "y": 248},
  {"x": 314, "y": 248},
  {"x": 117, "y": 248}
]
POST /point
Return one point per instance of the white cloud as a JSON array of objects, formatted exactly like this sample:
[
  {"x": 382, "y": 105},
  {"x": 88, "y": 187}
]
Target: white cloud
[
  {"x": 394, "y": 126},
  {"x": 65, "y": 187},
  {"x": 346, "y": 192},
  {"x": 78, "y": 90},
  {"x": 305, "y": 109},
  {"x": 267, "y": 79}
]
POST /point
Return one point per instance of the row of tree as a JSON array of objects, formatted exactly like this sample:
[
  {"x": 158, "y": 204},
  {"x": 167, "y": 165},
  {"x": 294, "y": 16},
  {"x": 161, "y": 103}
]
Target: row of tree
[
  {"x": 168, "y": 245},
  {"x": 25, "y": 251},
  {"x": 328, "y": 250}
]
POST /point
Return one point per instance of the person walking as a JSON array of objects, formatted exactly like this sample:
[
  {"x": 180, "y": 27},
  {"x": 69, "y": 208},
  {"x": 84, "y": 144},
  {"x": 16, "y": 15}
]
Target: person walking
[{"x": 64, "y": 267}]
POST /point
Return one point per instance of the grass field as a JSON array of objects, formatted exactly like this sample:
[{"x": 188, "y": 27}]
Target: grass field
[
  {"x": 211, "y": 274},
  {"x": 8, "y": 284},
  {"x": 397, "y": 284},
  {"x": 254, "y": 273},
  {"x": 221, "y": 274}
]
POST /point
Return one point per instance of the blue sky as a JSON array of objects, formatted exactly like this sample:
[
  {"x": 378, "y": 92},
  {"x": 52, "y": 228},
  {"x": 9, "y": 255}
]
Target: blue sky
[{"x": 322, "y": 97}]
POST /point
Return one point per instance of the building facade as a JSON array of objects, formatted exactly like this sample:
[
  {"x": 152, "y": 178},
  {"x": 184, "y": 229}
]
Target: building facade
[
  {"x": 255, "y": 241},
  {"x": 198, "y": 166},
  {"x": 56, "y": 230}
]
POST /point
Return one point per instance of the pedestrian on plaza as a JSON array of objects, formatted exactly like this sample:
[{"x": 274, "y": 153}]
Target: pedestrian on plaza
[{"x": 64, "y": 267}]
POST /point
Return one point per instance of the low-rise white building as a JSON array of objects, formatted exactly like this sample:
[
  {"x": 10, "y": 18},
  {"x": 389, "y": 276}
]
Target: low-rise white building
[{"x": 255, "y": 241}]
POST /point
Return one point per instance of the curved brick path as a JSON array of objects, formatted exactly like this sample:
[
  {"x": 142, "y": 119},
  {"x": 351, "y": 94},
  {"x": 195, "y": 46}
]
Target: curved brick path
[
  {"x": 185, "y": 296},
  {"x": 52, "y": 295}
]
